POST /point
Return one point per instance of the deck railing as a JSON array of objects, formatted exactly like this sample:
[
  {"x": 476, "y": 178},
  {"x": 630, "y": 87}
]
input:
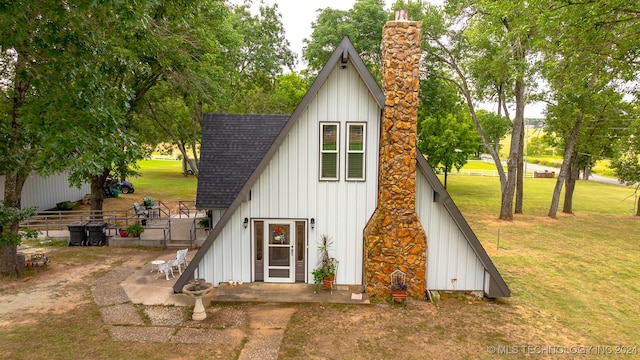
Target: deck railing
[
  {"x": 188, "y": 209},
  {"x": 57, "y": 220}
]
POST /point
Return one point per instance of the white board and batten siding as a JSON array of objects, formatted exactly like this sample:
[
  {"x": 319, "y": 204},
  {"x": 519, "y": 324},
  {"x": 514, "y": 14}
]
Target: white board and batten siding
[
  {"x": 449, "y": 255},
  {"x": 46, "y": 192},
  {"x": 289, "y": 188}
]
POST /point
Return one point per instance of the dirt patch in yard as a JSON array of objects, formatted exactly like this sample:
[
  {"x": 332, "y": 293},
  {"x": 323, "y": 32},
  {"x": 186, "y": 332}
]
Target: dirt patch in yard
[{"x": 59, "y": 287}]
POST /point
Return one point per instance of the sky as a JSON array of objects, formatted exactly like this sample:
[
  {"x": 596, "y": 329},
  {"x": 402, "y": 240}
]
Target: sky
[{"x": 297, "y": 16}]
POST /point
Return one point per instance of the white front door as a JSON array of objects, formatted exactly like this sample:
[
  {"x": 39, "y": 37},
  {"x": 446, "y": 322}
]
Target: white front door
[{"x": 279, "y": 243}]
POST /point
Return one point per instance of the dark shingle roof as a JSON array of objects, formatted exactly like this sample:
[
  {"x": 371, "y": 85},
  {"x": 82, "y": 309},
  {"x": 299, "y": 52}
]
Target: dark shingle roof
[{"x": 232, "y": 146}]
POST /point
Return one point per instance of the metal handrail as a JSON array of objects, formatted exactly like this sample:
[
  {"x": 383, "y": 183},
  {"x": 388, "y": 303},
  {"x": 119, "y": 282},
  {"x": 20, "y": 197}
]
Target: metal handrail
[
  {"x": 192, "y": 233},
  {"x": 184, "y": 208},
  {"x": 188, "y": 208},
  {"x": 60, "y": 219},
  {"x": 167, "y": 229},
  {"x": 164, "y": 209}
]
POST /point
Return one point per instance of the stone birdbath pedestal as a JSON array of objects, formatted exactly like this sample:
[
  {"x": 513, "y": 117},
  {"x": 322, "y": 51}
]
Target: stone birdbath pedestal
[{"x": 197, "y": 288}]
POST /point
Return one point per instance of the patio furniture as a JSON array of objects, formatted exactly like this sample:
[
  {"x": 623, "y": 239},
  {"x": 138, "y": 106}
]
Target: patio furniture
[
  {"x": 180, "y": 260},
  {"x": 152, "y": 208},
  {"x": 140, "y": 212},
  {"x": 157, "y": 263},
  {"x": 166, "y": 268}
]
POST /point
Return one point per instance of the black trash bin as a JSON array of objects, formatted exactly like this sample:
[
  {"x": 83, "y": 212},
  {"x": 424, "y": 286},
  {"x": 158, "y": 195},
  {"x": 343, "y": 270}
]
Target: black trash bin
[
  {"x": 77, "y": 233},
  {"x": 97, "y": 230}
]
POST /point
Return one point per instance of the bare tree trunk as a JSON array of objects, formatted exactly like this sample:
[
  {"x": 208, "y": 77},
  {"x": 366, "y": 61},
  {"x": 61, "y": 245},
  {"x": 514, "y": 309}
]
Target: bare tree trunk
[
  {"x": 506, "y": 207},
  {"x": 97, "y": 196},
  {"x": 564, "y": 169},
  {"x": 12, "y": 198},
  {"x": 190, "y": 161},
  {"x": 520, "y": 179},
  {"x": 464, "y": 88},
  {"x": 445, "y": 178},
  {"x": 587, "y": 170},
  {"x": 197, "y": 127},
  {"x": 194, "y": 161},
  {"x": 9, "y": 261},
  {"x": 638, "y": 207},
  {"x": 496, "y": 138},
  {"x": 570, "y": 185}
]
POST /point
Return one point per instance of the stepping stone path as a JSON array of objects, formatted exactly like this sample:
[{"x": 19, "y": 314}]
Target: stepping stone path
[{"x": 262, "y": 324}]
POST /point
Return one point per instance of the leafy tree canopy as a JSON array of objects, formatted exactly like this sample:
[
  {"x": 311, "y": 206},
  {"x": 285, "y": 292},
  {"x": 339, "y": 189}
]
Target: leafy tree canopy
[
  {"x": 362, "y": 23},
  {"x": 10, "y": 215}
]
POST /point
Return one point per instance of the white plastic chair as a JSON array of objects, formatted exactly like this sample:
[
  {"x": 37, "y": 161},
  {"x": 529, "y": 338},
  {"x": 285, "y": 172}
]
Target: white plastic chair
[
  {"x": 181, "y": 259},
  {"x": 166, "y": 268}
]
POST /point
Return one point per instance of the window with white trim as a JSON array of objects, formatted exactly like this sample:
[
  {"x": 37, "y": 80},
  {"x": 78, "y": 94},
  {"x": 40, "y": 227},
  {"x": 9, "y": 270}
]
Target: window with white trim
[
  {"x": 355, "y": 151},
  {"x": 329, "y": 151}
]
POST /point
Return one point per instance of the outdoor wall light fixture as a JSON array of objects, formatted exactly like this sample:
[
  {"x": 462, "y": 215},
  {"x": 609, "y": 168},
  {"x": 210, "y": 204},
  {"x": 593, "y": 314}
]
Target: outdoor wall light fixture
[
  {"x": 313, "y": 223},
  {"x": 246, "y": 222},
  {"x": 343, "y": 60}
]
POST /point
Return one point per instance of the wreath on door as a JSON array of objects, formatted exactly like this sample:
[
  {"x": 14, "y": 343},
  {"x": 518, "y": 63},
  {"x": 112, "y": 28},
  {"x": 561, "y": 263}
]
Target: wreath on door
[{"x": 279, "y": 235}]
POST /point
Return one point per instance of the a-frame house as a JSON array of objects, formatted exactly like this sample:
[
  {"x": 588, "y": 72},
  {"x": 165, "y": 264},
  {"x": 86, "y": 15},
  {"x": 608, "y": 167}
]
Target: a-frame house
[{"x": 322, "y": 170}]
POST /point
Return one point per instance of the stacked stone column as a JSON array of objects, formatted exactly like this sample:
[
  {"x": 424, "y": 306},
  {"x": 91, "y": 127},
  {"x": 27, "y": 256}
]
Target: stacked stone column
[{"x": 394, "y": 237}]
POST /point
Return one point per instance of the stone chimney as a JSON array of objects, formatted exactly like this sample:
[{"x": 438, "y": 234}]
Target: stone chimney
[{"x": 394, "y": 238}]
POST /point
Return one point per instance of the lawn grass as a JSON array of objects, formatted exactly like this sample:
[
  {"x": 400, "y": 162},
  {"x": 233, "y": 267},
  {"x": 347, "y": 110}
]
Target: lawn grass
[
  {"x": 578, "y": 272},
  {"x": 478, "y": 165},
  {"x": 164, "y": 179},
  {"x": 161, "y": 179}
]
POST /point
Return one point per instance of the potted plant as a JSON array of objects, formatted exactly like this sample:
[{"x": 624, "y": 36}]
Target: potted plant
[
  {"x": 204, "y": 223},
  {"x": 135, "y": 230},
  {"x": 399, "y": 290},
  {"x": 148, "y": 202},
  {"x": 326, "y": 271},
  {"x": 122, "y": 232}
]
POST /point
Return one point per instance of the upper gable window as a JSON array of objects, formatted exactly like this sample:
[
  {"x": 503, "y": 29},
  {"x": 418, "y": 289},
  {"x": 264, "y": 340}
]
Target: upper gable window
[
  {"x": 329, "y": 147},
  {"x": 355, "y": 151}
]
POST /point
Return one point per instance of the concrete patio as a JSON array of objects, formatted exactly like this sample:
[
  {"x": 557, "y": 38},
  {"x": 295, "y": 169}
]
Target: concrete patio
[{"x": 146, "y": 286}]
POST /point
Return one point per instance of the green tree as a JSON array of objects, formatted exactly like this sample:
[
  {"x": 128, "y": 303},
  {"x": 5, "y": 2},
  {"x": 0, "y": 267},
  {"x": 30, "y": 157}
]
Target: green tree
[
  {"x": 143, "y": 46},
  {"x": 258, "y": 59},
  {"x": 47, "y": 83},
  {"x": 362, "y": 23},
  {"x": 69, "y": 93},
  {"x": 236, "y": 70},
  {"x": 494, "y": 126},
  {"x": 584, "y": 63},
  {"x": 468, "y": 39},
  {"x": 445, "y": 133},
  {"x": 169, "y": 47},
  {"x": 287, "y": 92},
  {"x": 35, "y": 60},
  {"x": 540, "y": 146},
  {"x": 584, "y": 125},
  {"x": 447, "y": 141},
  {"x": 626, "y": 162}
]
